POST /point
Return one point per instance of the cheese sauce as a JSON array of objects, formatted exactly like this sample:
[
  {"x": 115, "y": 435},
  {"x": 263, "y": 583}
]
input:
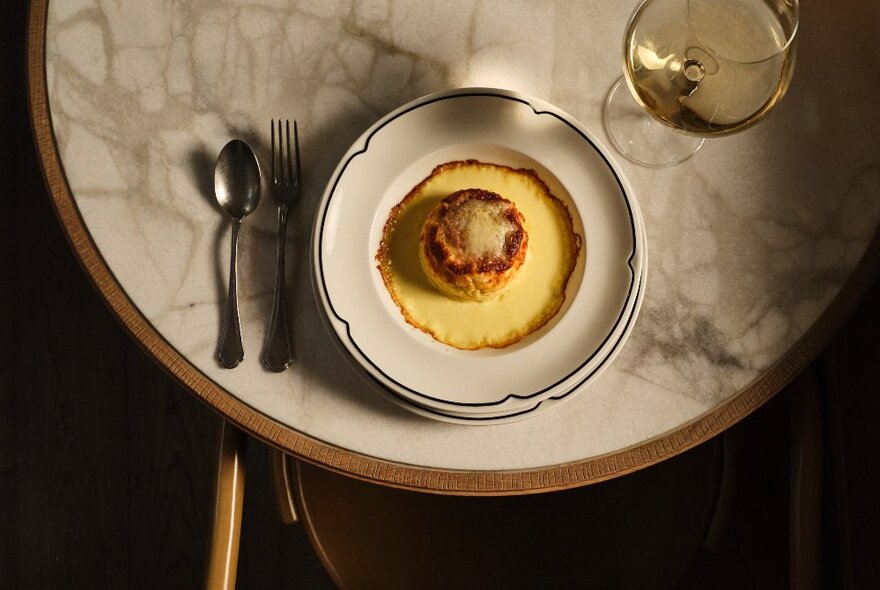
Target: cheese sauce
[{"x": 538, "y": 290}]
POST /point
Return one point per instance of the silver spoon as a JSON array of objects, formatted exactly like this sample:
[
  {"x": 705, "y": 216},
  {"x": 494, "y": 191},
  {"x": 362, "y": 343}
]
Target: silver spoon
[{"x": 237, "y": 186}]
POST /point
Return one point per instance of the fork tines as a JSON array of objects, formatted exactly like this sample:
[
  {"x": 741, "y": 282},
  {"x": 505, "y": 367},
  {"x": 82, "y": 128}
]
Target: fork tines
[{"x": 283, "y": 170}]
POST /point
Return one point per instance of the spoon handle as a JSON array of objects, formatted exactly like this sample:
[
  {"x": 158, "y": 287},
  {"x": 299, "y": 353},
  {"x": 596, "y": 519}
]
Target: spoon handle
[
  {"x": 279, "y": 353},
  {"x": 230, "y": 351}
]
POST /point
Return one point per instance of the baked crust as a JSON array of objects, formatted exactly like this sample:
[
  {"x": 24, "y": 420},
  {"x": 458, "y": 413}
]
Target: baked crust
[{"x": 473, "y": 243}]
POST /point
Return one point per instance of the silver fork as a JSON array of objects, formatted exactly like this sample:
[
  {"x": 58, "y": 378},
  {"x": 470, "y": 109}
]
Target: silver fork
[{"x": 286, "y": 182}]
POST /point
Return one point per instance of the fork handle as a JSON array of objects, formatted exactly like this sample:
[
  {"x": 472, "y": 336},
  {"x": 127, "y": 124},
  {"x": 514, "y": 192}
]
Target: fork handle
[{"x": 279, "y": 351}]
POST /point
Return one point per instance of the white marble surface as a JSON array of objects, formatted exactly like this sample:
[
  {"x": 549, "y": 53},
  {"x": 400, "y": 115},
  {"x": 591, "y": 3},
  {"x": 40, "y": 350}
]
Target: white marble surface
[{"x": 749, "y": 241}]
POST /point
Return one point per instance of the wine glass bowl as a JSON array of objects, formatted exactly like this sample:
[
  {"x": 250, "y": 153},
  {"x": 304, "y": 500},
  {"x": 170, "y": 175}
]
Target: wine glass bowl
[{"x": 703, "y": 68}]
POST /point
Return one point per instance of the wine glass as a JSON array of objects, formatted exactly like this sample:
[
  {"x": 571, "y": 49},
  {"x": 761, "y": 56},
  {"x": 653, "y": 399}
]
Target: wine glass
[{"x": 701, "y": 68}]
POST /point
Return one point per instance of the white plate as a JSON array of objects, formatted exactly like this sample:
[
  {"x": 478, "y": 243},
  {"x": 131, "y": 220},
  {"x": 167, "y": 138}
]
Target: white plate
[
  {"x": 500, "y": 127},
  {"x": 530, "y": 410}
]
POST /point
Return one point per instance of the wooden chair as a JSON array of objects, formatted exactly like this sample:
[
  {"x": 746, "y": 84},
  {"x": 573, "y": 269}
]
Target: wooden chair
[{"x": 664, "y": 526}]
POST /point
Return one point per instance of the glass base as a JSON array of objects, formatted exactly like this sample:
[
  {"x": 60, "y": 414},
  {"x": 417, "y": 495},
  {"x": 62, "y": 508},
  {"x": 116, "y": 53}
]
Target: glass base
[{"x": 640, "y": 137}]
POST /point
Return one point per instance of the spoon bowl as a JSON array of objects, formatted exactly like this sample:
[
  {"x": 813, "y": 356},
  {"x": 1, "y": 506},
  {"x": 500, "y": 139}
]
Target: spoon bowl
[
  {"x": 238, "y": 187},
  {"x": 237, "y": 182}
]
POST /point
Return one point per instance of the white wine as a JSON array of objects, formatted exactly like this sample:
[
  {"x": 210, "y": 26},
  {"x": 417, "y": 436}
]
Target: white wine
[{"x": 709, "y": 68}]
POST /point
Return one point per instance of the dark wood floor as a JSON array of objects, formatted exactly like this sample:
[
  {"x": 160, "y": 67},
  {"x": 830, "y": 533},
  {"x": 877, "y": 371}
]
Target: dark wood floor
[{"x": 107, "y": 466}]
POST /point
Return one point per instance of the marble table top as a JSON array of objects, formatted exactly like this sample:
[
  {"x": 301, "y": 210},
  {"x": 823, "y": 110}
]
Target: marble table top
[{"x": 750, "y": 241}]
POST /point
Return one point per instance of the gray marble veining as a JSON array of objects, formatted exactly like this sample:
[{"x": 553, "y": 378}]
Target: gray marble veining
[{"x": 749, "y": 241}]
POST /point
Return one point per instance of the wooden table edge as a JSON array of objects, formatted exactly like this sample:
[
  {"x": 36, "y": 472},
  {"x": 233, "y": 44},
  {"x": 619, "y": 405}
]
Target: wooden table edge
[{"x": 446, "y": 481}]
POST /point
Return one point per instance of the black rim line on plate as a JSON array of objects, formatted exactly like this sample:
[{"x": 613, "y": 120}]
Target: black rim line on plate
[
  {"x": 519, "y": 412},
  {"x": 320, "y": 269}
]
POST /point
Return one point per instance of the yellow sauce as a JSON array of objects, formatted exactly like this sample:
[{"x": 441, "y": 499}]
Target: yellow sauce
[{"x": 538, "y": 290}]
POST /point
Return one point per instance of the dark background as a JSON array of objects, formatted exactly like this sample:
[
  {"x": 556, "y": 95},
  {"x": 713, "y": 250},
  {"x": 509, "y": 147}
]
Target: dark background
[{"x": 107, "y": 466}]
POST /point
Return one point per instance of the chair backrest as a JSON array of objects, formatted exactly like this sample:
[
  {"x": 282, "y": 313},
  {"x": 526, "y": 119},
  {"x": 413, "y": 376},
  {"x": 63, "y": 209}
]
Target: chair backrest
[{"x": 640, "y": 531}]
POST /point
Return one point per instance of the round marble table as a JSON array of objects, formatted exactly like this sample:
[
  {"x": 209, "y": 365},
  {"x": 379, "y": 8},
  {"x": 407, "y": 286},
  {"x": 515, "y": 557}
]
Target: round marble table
[{"x": 759, "y": 246}]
